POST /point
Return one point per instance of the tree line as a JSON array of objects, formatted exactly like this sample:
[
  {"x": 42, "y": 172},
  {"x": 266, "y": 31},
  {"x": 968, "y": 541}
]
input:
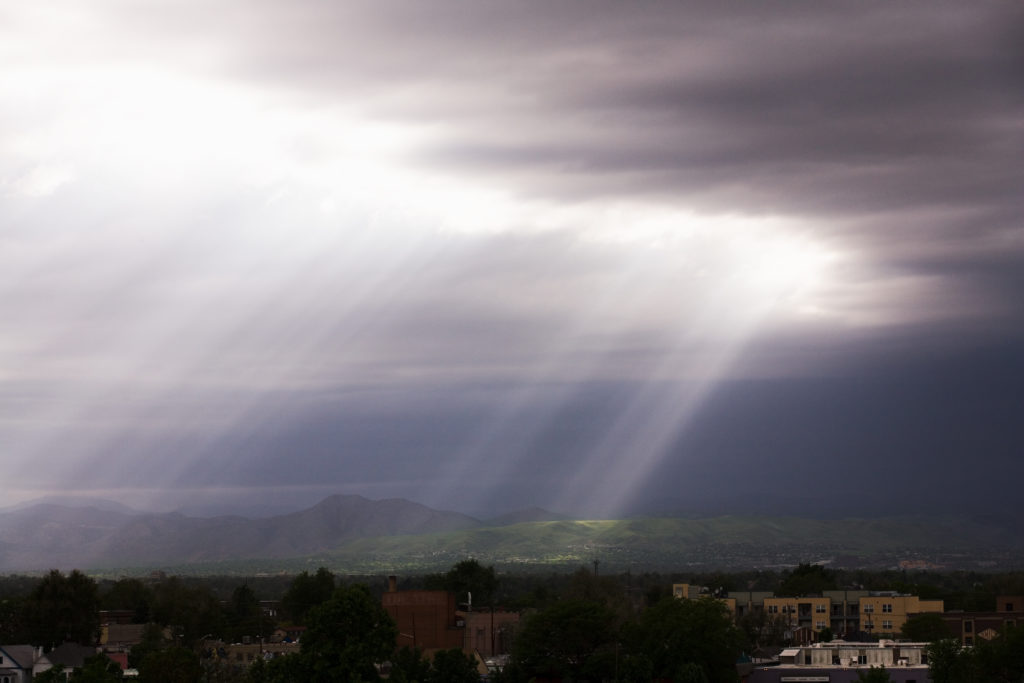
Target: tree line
[{"x": 577, "y": 626}]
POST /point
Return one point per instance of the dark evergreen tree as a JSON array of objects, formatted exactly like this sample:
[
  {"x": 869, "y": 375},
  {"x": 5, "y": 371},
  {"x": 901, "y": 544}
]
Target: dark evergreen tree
[
  {"x": 306, "y": 592},
  {"x": 62, "y": 609}
]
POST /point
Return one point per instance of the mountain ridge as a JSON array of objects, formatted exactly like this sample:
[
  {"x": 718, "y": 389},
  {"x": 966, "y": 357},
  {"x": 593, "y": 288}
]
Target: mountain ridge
[{"x": 356, "y": 532}]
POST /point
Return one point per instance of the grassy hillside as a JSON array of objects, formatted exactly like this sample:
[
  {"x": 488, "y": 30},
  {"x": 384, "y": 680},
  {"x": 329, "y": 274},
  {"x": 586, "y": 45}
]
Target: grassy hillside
[{"x": 729, "y": 542}]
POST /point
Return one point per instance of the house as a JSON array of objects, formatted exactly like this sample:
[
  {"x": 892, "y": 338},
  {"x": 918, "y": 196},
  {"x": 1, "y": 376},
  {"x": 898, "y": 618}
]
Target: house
[
  {"x": 71, "y": 656},
  {"x": 16, "y": 663}
]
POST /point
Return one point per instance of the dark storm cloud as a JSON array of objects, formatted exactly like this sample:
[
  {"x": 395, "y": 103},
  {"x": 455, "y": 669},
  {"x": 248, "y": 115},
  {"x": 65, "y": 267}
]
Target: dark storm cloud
[{"x": 189, "y": 320}]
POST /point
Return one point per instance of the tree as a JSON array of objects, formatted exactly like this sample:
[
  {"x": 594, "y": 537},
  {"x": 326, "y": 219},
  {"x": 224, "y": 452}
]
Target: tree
[
  {"x": 129, "y": 594},
  {"x": 152, "y": 641},
  {"x": 409, "y": 666},
  {"x": 571, "y": 639},
  {"x": 948, "y": 662},
  {"x": 62, "y": 609},
  {"x": 676, "y": 633},
  {"x": 245, "y": 616},
  {"x": 52, "y": 675},
  {"x": 171, "y": 665},
  {"x": 807, "y": 579},
  {"x": 470, "y": 577},
  {"x": 306, "y": 592},
  {"x": 876, "y": 674},
  {"x": 287, "y": 669},
  {"x": 925, "y": 628},
  {"x": 98, "y": 669},
  {"x": 190, "y": 612},
  {"x": 346, "y": 637},
  {"x": 452, "y": 666},
  {"x": 825, "y": 635}
]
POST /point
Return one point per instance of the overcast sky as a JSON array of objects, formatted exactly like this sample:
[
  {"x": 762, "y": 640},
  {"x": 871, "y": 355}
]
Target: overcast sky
[{"x": 597, "y": 257}]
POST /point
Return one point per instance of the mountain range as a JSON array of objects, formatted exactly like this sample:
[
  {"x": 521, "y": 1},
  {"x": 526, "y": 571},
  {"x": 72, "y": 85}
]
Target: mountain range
[{"x": 352, "y": 533}]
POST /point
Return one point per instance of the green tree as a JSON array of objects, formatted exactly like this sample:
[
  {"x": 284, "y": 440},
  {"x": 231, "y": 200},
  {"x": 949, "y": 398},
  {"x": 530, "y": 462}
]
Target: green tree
[
  {"x": 129, "y": 594},
  {"x": 675, "y": 633},
  {"x": 306, "y": 592},
  {"x": 409, "y": 666},
  {"x": 691, "y": 672},
  {"x": 876, "y": 674},
  {"x": 948, "y": 662},
  {"x": 287, "y": 669},
  {"x": 825, "y": 635},
  {"x": 925, "y": 628},
  {"x": 571, "y": 639},
  {"x": 152, "y": 641},
  {"x": 244, "y": 616},
  {"x": 52, "y": 675},
  {"x": 1002, "y": 658},
  {"x": 346, "y": 637},
  {"x": 452, "y": 666},
  {"x": 807, "y": 579},
  {"x": 171, "y": 665},
  {"x": 191, "y": 612},
  {"x": 62, "y": 609},
  {"x": 97, "y": 669},
  {"x": 468, "y": 577},
  {"x": 13, "y": 626}
]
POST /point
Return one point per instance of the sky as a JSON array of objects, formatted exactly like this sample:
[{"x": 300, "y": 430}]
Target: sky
[{"x": 603, "y": 258}]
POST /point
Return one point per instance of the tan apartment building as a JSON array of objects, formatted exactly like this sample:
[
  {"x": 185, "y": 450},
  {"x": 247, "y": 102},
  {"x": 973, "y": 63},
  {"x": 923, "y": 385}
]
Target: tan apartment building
[
  {"x": 886, "y": 613},
  {"x": 812, "y": 612},
  {"x": 844, "y": 612}
]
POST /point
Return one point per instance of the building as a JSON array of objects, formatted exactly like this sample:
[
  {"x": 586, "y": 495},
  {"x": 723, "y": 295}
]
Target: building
[
  {"x": 490, "y": 632},
  {"x": 970, "y": 627},
  {"x": 16, "y": 662},
  {"x": 841, "y": 662},
  {"x": 844, "y": 612},
  {"x": 885, "y": 612},
  {"x": 425, "y": 619}
]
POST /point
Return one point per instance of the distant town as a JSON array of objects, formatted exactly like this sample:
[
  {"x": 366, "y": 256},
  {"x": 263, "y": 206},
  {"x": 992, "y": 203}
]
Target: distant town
[{"x": 473, "y": 623}]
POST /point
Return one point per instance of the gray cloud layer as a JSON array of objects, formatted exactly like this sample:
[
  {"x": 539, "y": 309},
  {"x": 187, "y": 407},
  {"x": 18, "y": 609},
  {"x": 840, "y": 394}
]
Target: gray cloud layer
[{"x": 563, "y": 254}]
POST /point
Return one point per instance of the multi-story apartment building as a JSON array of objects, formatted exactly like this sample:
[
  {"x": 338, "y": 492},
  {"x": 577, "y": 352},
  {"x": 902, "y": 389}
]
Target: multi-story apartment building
[
  {"x": 844, "y": 612},
  {"x": 886, "y": 612}
]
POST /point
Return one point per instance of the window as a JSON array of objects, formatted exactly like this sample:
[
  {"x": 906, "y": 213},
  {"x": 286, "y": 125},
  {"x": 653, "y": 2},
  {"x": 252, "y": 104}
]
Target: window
[
  {"x": 773, "y": 609},
  {"x": 968, "y": 626},
  {"x": 968, "y": 641},
  {"x": 869, "y": 608},
  {"x": 820, "y": 609},
  {"x": 1009, "y": 607},
  {"x": 887, "y": 607},
  {"x": 835, "y": 660},
  {"x": 819, "y": 625},
  {"x": 887, "y": 624},
  {"x": 862, "y": 659}
]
